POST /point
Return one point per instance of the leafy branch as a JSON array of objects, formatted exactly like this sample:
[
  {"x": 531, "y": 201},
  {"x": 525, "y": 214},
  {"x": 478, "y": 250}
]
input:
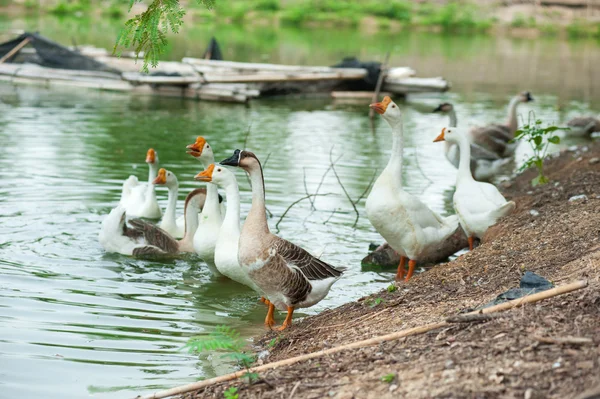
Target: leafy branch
[
  {"x": 539, "y": 139},
  {"x": 146, "y": 32},
  {"x": 227, "y": 339}
]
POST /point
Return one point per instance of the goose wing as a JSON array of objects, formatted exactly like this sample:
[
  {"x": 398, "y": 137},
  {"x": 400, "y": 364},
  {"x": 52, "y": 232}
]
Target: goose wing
[
  {"x": 156, "y": 237},
  {"x": 148, "y": 251},
  {"x": 313, "y": 268}
]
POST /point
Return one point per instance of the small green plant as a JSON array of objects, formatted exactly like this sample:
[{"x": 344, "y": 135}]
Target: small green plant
[
  {"x": 231, "y": 393},
  {"x": 391, "y": 288},
  {"x": 539, "y": 139},
  {"x": 273, "y": 342},
  {"x": 228, "y": 339},
  {"x": 388, "y": 378},
  {"x": 373, "y": 302}
]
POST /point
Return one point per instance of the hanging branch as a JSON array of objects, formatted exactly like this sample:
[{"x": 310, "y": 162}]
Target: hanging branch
[
  {"x": 343, "y": 188},
  {"x": 294, "y": 203},
  {"x": 312, "y": 201}
]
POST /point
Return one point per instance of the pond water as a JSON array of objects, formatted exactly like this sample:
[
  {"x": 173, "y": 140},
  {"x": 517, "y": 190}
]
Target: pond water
[{"x": 76, "y": 322}]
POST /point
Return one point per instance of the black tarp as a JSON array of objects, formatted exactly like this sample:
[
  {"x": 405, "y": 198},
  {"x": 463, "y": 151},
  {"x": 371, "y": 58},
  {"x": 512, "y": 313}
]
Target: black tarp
[
  {"x": 369, "y": 83},
  {"x": 53, "y": 55}
]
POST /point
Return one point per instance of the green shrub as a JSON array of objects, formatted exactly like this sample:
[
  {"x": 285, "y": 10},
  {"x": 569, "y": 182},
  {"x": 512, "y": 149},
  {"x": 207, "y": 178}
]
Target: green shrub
[
  {"x": 521, "y": 21},
  {"x": 266, "y": 5}
]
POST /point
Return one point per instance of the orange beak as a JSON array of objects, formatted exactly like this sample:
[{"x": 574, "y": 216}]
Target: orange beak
[
  {"x": 195, "y": 149},
  {"x": 206, "y": 175},
  {"x": 441, "y": 136},
  {"x": 161, "y": 178},
  {"x": 150, "y": 156},
  {"x": 381, "y": 107}
]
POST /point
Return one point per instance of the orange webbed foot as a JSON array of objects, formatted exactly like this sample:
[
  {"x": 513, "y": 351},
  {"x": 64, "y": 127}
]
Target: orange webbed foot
[
  {"x": 270, "y": 320},
  {"x": 411, "y": 269},
  {"x": 288, "y": 319},
  {"x": 400, "y": 272}
]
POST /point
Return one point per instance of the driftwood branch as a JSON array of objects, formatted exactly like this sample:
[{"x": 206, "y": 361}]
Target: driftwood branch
[
  {"x": 367, "y": 342},
  {"x": 312, "y": 201},
  {"x": 343, "y": 188},
  {"x": 15, "y": 50},
  {"x": 327, "y": 171}
]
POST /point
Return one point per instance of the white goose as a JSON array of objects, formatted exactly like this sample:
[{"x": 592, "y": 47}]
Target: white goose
[
  {"x": 144, "y": 239},
  {"x": 205, "y": 240},
  {"x": 485, "y": 164},
  {"x": 478, "y": 205},
  {"x": 169, "y": 222},
  {"x": 497, "y": 137},
  {"x": 139, "y": 199},
  {"x": 290, "y": 277},
  {"x": 226, "y": 249},
  {"x": 407, "y": 224}
]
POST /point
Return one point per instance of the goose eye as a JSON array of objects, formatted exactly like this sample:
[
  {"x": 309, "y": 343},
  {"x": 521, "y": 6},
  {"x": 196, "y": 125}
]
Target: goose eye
[
  {"x": 207, "y": 146},
  {"x": 393, "y": 106},
  {"x": 218, "y": 170}
]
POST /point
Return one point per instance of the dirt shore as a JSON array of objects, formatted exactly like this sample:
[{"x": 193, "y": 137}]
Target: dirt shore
[{"x": 517, "y": 355}]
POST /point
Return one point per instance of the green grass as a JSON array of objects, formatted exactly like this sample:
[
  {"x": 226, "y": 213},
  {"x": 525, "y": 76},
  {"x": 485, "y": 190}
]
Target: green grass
[
  {"x": 521, "y": 21},
  {"x": 66, "y": 7}
]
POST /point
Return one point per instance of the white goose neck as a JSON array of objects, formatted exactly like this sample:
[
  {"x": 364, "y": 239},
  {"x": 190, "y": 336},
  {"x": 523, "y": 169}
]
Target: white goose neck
[
  {"x": 170, "y": 212},
  {"x": 211, "y": 206},
  {"x": 257, "y": 217},
  {"x": 231, "y": 222},
  {"x": 452, "y": 116},
  {"x": 512, "y": 121},
  {"x": 464, "y": 166},
  {"x": 394, "y": 166},
  {"x": 152, "y": 172}
]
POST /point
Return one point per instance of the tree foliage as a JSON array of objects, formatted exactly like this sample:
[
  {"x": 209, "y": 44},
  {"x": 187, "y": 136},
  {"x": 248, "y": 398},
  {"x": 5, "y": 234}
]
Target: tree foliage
[{"x": 146, "y": 32}]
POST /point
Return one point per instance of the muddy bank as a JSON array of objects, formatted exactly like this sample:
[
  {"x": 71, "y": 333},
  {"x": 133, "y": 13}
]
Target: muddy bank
[{"x": 555, "y": 232}]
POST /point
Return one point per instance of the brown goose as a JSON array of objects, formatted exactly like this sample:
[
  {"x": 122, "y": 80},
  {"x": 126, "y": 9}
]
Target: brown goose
[
  {"x": 583, "y": 126},
  {"x": 289, "y": 276},
  {"x": 144, "y": 239},
  {"x": 497, "y": 137}
]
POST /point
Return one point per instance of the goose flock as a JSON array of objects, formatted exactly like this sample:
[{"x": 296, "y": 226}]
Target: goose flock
[{"x": 285, "y": 276}]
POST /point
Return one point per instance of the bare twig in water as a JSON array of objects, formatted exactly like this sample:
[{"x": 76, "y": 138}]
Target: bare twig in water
[
  {"x": 343, "y": 188},
  {"x": 330, "y": 216},
  {"x": 368, "y": 187},
  {"x": 421, "y": 170},
  {"x": 247, "y": 136},
  {"x": 312, "y": 201},
  {"x": 326, "y": 172},
  {"x": 294, "y": 203}
]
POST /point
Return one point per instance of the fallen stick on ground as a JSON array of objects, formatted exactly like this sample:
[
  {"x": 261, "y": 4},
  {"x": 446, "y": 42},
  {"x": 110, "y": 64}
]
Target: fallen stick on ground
[
  {"x": 471, "y": 318},
  {"x": 367, "y": 342},
  {"x": 563, "y": 340}
]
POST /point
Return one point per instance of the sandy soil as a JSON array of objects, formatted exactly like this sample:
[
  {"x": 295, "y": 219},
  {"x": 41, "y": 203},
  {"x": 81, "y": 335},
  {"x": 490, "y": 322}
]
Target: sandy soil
[{"x": 516, "y": 355}]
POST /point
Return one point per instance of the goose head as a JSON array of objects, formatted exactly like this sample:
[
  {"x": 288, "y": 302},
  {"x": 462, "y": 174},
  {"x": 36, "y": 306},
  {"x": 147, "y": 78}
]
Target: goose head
[
  {"x": 165, "y": 178},
  {"x": 444, "y": 108},
  {"x": 201, "y": 150},
  {"x": 151, "y": 157},
  {"x": 525, "y": 97},
  {"x": 451, "y": 134},
  {"x": 388, "y": 110},
  {"x": 242, "y": 159},
  {"x": 216, "y": 174}
]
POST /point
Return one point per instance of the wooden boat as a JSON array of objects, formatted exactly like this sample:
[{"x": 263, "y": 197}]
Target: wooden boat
[{"x": 33, "y": 59}]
